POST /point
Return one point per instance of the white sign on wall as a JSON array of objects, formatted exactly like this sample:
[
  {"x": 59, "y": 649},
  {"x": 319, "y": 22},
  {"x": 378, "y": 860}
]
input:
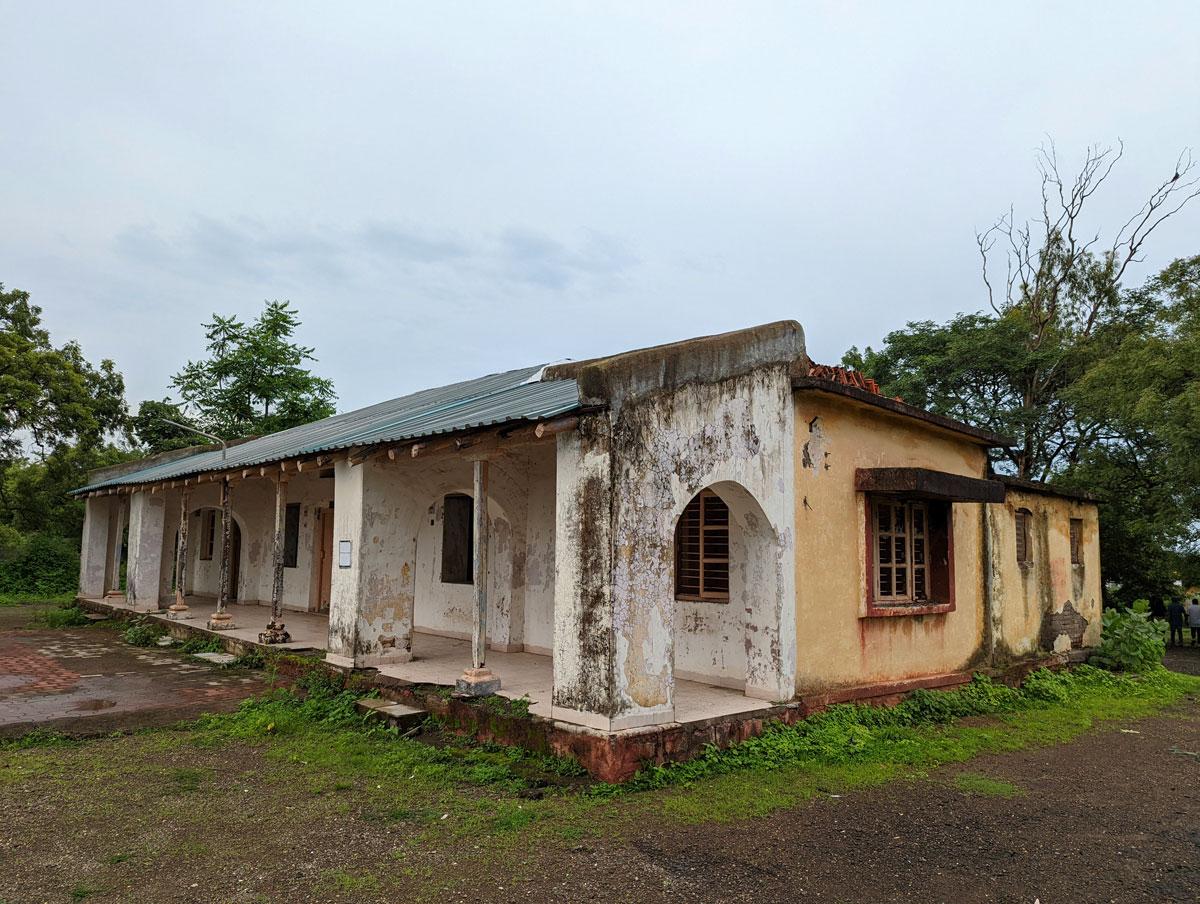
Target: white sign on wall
[{"x": 343, "y": 554}]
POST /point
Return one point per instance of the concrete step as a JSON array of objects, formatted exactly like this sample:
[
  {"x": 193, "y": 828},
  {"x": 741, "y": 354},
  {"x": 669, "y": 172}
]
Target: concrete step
[
  {"x": 95, "y": 616},
  {"x": 216, "y": 658},
  {"x": 400, "y": 715}
]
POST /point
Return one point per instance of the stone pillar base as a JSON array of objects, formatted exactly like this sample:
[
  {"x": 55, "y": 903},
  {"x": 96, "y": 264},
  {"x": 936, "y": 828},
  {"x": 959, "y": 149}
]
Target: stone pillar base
[
  {"x": 220, "y": 621},
  {"x": 178, "y": 612},
  {"x": 274, "y": 633},
  {"x": 477, "y": 683}
]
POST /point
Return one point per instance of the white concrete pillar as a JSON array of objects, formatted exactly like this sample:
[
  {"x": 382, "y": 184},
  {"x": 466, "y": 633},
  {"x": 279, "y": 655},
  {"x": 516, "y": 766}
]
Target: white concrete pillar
[
  {"x": 371, "y": 592},
  {"x": 116, "y": 546},
  {"x": 93, "y": 553},
  {"x": 344, "y": 648},
  {"x": 143, "y": 573},
  {"x": 583, "y": 612}
]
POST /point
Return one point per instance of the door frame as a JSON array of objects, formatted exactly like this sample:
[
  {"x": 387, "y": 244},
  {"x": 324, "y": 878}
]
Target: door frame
[{"x": 322, "y": 558}]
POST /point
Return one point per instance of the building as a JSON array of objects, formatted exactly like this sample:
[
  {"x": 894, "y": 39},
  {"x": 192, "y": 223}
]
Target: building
[{"x": 693, "y": 532}]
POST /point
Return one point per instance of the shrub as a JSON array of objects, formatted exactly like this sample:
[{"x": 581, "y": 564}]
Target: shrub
[
  {"x": 37, "y": 564},
  {"x": 142, "y": 633},
  {"x": 1130, "y": 643}
]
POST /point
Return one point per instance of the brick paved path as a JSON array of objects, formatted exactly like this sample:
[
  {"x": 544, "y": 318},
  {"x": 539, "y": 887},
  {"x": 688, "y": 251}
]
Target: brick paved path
[{"x": 89, "y": 681}]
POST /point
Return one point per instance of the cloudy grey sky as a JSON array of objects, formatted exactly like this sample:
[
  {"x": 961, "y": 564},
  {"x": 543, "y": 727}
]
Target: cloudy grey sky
[{"x": 449, "y": 189}]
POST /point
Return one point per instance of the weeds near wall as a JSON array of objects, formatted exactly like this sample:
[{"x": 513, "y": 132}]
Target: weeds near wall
[
  {"x": 919, "y": 734},
  {"x": 1131, "y": 642},
  {"x": 142, "y": 633},
  {"x": 63, "y": 616}
]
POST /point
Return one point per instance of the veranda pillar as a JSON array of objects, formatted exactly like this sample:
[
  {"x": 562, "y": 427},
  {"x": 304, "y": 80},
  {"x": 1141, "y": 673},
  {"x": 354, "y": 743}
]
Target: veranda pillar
[
  {"x": 478, "y": 680},
  {"x": 179, "y": 608},
  {"x": 275, "y": 632},
  {"x": 222, "y": 619}
]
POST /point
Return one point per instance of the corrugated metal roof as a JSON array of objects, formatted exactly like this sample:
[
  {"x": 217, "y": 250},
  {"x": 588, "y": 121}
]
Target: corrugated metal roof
[{"x": 484, "y": 402}]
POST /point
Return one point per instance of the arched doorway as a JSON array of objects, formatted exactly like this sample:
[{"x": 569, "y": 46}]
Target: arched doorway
[{"x": 728, "y": 588}]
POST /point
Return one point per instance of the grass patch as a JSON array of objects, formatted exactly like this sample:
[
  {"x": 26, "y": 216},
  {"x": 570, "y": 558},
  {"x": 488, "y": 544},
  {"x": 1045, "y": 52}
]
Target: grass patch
[
  {"x": 143, "y": 633},
  {"x": 340, "y": 880},
  {"x": 984, "y": 785},
  {"x": 81, "y": 892},
  {"x": 62, "y": 616},
  {"x": 200, "y": 643},
  {"x": 37, "y": 599}
]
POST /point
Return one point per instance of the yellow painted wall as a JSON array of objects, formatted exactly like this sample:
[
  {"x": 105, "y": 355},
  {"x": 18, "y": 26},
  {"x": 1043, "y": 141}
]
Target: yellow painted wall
[
  {"x": 1022, "y": 594},
  {"x": 836, "y": 644}
]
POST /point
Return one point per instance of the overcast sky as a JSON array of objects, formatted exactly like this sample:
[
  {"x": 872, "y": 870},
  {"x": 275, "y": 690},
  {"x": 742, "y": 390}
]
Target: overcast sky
[{"x": 446, "y": 190}]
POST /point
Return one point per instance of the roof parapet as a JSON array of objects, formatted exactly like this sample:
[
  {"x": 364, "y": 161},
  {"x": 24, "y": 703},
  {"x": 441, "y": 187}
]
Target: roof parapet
[{"x": 707, "y": 359}]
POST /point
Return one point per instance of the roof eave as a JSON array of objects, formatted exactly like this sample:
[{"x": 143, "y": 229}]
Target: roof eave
[{"x": 853, "y": 393}]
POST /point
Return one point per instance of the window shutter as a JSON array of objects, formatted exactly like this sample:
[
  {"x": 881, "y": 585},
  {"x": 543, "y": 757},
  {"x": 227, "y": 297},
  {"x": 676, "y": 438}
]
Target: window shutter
[{"x": 1076, "y": 541}]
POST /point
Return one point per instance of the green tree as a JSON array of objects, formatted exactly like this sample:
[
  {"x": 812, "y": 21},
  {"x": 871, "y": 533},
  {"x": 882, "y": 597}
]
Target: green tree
[
  {"x": 154, "y": 434},
  {"x": 1058, "y": 309},
  {"x": 50, "y": 397},
  {"x": 255, "y": 380}
]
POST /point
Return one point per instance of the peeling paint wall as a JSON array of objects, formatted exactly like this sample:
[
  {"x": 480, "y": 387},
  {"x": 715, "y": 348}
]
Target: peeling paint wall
[
  {"x": 714, "y": 413},
  {"x": 837, "y": 645},
  {"x": 394, "y": 586},
  {"x": 1026, "y": 597}
]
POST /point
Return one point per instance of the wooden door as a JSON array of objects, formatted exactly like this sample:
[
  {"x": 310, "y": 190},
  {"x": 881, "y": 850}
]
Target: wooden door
[{"x": 325, "y": 560}]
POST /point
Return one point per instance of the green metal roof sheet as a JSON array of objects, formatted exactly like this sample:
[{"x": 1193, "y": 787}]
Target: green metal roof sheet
[{"x": 515, "y": 395}]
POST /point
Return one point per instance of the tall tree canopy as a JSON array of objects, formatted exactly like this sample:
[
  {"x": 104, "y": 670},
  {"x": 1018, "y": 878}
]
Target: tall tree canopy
[
  {"x": 1058, "y": 309},
  {"x": 58, "y": 414},
  {"x": 255, "y": 380},
  {"x": 50, "y": 397}
]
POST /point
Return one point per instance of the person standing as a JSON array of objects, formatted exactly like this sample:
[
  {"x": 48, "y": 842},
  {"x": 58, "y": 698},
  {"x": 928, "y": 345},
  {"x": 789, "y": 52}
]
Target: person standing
[
  {"x": 1193, "y": 614},
  {"x": 1175, "y": 618}
]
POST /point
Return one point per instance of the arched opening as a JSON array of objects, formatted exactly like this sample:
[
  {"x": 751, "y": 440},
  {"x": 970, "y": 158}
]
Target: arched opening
[{"x": 728, "y": 593}]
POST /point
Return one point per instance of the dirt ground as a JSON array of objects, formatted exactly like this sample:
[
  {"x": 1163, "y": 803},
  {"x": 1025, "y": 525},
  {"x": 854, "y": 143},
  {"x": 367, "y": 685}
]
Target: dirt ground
[
  {"x": 86, "y": 681},
  {"x": 1113, "y": 816}
]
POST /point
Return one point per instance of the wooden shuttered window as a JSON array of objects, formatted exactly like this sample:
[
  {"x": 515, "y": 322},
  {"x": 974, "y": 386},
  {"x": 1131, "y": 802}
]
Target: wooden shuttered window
[
  {"x": 1023, "y": 519},
  {"x": 911, "y": 550},
  {"x": 702, "y": 550},
  {"x": 1076, "y": 541},
  {"x": 901, "y": 551}
]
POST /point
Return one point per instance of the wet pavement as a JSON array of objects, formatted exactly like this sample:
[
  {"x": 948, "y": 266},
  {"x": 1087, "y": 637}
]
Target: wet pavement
[{"x": 87, "y": 681}]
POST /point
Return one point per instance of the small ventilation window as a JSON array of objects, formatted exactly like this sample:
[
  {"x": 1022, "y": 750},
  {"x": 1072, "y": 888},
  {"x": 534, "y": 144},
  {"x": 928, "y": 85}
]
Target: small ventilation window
[
  {"x": 1076, "y": 541},
  {"x": 291, "y": 535},
  {"x": 1024, "y": 523}
]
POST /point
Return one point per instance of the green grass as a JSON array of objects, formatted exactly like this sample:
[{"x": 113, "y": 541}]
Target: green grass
[
  {"x": 70, "y": 616},
  {"x": 37, "y": 599},
  {"x": 984, "y": 785}
]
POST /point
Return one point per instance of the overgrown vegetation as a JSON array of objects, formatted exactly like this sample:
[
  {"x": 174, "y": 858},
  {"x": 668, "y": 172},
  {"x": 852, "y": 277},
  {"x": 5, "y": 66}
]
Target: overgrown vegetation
[
  {"x": 1131, "y": 642},
  {"x": 143, "y": 632},
  {"x": 917, "y": 733},
  {"x": 63, "y": 616},
  {"x": 37, "y": 565}
]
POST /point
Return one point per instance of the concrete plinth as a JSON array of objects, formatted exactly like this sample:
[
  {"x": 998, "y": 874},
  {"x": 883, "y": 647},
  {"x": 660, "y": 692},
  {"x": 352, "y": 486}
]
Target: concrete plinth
[
  {"x": 220, "y": 621},
  {"x": 477, "y": 683}
]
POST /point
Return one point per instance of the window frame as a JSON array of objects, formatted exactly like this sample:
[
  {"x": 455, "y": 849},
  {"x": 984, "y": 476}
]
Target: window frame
[
  {"x": 452, "y": 575},
  {"x": 1075, "y": 537},
  {"x": 935, "y": 574},
  {"x": 291, "y": 535},
  {"x": 703, "y": 499},
  {"x": 208, "y": 533},
  {"x": 1023, "y": 534}
]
